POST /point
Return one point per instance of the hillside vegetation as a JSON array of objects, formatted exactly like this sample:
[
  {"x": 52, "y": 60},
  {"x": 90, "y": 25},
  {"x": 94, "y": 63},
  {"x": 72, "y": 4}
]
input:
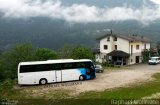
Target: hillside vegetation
[{"x": 27, "y": 52}]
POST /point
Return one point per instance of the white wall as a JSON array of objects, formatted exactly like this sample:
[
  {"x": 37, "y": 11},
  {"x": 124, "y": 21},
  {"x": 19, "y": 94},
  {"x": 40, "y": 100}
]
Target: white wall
[
  {"x": 134, "y": 44},
  {"x": 137, "y": 52},
  {"x": 148, "y": 46},
  {"x": 122, "y": 44},
  {"x": 98, "y": 58},
  {"x": 105, "y": 42}
]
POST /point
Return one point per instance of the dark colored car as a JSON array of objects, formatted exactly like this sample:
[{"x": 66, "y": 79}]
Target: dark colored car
[{"x": 99, "y": 69}]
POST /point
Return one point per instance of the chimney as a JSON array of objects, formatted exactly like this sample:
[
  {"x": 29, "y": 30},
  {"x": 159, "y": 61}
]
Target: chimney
[
  {"x": 141, "y": 37},
  {"x": 111, "y": 31}
]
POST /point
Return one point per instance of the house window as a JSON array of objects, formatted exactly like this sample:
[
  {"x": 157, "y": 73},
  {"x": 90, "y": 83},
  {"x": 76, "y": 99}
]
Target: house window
[
  {"x": 105, "y": 47},
  {"x": 115, "y": 38},
  {"x": 131, "y": 49},
  {"x": 115, "y": 47},
  {"x": 108, "y": 38},
  {"x": 137, "y": 47}
]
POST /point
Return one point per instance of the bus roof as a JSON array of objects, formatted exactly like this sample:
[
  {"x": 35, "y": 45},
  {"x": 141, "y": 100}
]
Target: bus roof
[{"x": 54, "y": 61}]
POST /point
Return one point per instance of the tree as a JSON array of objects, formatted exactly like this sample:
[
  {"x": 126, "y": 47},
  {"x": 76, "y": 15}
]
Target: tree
[
  {"x": 1, "y": 69},
  {"x": 145, "y": 56},
  {"x": 12, "y": 58},
  {"x": 81, "y": 52},
  {"x": 45, "y": 54},
  {"x": 1, "y": 73},
  {"x": 158, "y": 47},
  {"x": 20, "y": 53},
  {"x": 65, "y": 52}
]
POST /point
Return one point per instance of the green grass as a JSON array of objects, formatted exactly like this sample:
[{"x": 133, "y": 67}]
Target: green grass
[{"x": 8, "y": 91}]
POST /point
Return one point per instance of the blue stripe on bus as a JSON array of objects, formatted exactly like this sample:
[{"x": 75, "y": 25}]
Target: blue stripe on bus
[{"x": 83, "y": 72}]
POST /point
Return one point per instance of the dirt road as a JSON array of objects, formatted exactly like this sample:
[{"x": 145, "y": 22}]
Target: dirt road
[
  {"x": 113, "y": 79},
  {"x": 107, "y": 80}
]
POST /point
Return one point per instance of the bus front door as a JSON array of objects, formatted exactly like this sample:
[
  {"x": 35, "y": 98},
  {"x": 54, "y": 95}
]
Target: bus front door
[{"x": 58, "y": 76}]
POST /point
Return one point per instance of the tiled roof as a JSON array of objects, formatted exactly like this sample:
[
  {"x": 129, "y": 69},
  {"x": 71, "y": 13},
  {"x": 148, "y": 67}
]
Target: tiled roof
[
  {"x": 118, "y": 53},
  {"x": 134, "y": 38}
]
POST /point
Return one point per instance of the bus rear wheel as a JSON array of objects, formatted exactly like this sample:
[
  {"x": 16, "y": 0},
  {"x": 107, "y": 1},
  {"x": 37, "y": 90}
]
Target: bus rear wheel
[
  {"x": 43, "y": 81},
  {"x": 82, "y": 77}
]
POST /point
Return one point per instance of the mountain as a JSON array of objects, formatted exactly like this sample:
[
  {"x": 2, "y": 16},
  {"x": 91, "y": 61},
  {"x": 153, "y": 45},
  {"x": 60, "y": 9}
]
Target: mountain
[{"x": 54, "y": 33}]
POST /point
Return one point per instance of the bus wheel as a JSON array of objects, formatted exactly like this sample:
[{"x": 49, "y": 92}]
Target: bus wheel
[
  {"x": 82, "y": 77},
  {"x": 43, "y": 81}
]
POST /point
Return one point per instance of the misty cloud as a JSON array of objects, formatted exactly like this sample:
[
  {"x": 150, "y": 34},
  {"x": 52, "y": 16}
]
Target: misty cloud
[
  {"x": 78, "y": 13},
  {"x": 156, "y": 1}
]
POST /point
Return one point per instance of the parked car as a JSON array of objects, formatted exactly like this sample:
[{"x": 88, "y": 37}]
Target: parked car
[
  {"x": 99, "y": 69},
  {"x": 154, "y": 60}
]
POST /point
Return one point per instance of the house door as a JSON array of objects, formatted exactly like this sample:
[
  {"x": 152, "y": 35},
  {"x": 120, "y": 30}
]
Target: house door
[{"x": 137, "y": 59}]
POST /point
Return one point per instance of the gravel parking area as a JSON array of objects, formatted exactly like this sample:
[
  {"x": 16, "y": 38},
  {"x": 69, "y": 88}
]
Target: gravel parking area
[
  {"x": 146, "y": 67},
  {"x": 119, "y": 78},
  {"x": 109, "y": 79}
]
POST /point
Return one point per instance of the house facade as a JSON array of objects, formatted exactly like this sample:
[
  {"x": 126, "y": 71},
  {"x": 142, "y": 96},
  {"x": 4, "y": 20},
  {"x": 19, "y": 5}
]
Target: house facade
[{"x": 121, "y": 49}]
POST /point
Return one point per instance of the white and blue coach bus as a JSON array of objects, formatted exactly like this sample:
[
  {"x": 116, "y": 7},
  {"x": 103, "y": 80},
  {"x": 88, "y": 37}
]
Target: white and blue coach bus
[{"x": 42, "y": 72}]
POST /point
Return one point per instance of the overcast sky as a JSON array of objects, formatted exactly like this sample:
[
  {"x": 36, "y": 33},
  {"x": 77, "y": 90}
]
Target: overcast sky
[
  {"x": 79, "y": 13},
  {"x": 156, "y": 1}
]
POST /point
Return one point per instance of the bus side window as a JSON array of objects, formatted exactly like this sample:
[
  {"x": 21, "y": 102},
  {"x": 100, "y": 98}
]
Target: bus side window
[
  {"x": 43, "y": 67},
  {"x": 27, "y": 68},
  {"x": 79, "y": 65},
  {"x": 67, "y": 66},
  {"x": 88, "y": 65},
  {"x": 55, "y": 66}
]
